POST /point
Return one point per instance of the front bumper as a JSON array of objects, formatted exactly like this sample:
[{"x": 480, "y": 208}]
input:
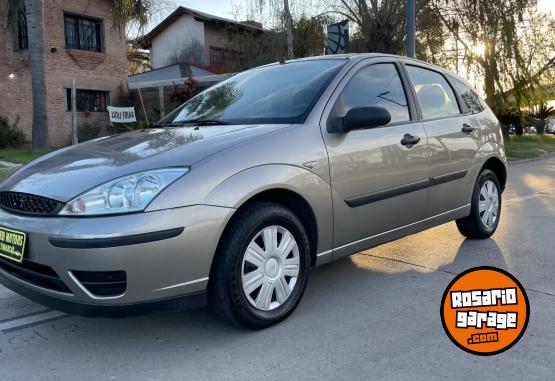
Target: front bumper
[{"x": 158, "y": 267}]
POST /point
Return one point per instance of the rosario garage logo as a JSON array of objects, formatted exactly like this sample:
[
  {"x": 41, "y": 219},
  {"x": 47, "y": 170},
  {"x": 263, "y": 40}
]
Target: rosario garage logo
[{"x": 485, "y": 311}]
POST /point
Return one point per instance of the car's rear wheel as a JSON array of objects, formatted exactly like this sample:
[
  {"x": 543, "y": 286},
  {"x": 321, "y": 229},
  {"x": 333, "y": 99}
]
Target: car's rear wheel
[
  {"x": 261, "y": 268},
  {"x": 485, "y": 208}
]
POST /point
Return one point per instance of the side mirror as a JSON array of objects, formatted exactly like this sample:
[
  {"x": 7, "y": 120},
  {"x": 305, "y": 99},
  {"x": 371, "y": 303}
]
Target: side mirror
[
  {"x": 360, "y": 118},
  {"x": 366, "y": 117}
]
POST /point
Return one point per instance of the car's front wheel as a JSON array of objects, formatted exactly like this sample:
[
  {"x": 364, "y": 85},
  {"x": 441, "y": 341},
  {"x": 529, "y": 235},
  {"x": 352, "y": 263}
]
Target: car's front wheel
[
  {"x": 485, "y": 208},
  {"x": 261, "y": 268}
]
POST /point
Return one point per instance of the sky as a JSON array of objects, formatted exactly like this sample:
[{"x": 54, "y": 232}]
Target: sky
[
  {"x": 230, "y": 8},
  {"x": 227, "y": 8},
  {"x": 222, "y": 8},
  {"x": 238, "y": 9},
  {"x": 546, "y": 5}
]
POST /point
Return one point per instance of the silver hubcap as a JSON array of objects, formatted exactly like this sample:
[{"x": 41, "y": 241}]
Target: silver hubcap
[
  {"x": 270, "y": 268},
  {"x": 489, "y": 204}
]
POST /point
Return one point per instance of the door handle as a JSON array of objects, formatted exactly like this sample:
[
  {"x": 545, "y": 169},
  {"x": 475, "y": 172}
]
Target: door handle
[
  {"x": 409, "y": 140},
  {"x": 467, "y": 129}
]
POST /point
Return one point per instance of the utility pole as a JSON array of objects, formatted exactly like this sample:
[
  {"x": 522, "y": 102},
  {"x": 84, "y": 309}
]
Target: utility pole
[
  {"x": 411, "y": 28},
  {"x": 289, "y": 30}
]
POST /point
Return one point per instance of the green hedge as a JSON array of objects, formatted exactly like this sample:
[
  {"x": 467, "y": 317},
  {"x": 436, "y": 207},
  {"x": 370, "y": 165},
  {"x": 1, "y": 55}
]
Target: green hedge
[{"x": 11, "y": 136}]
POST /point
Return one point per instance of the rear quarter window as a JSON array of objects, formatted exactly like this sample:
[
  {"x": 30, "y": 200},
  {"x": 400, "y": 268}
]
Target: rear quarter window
[{"x": 471, "y": 99}]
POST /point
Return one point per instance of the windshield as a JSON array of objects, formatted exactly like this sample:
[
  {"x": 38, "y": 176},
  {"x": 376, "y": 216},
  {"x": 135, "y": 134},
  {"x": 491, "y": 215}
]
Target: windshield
[{"x": 282, "y": 93}]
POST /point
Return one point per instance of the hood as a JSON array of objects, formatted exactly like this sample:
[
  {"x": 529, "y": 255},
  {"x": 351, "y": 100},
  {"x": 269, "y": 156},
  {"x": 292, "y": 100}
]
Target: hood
[{"x": 64, "y": 174}]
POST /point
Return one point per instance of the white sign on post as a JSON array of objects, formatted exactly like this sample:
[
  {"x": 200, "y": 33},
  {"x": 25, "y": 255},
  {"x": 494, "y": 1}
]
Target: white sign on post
[{"x": 122, "y": 114}]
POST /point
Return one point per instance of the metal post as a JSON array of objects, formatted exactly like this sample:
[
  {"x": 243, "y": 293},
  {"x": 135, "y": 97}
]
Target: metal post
[
  {"x": 411, "y": 28},
  {"x": 74, "y": 139},
  {"x": 143, "y": 105},
  {"x": 162, "y": 102}
]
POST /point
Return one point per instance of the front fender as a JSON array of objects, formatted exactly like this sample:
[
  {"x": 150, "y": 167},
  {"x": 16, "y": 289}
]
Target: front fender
[{"x": 239, "y": 188}]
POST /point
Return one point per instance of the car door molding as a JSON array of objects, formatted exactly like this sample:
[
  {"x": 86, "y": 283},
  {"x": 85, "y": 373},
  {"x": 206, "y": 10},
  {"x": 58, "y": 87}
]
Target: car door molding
[
  {"x": 366, "y": 199},
  {"x": 385, "y": 194},
  {"x": 437, "y": 180}
]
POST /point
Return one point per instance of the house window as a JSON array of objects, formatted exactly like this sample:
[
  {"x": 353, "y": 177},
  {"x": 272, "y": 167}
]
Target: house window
[
  {"x": 21, "y": 41},
  {"x": 216, "y": 56},
  {"x": 221, "y": 56},
  {"x": 83, "y": 33},
  {"x": 89, "y": 100}
]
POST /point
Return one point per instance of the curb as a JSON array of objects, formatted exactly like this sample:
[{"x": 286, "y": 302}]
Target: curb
[
  {"x": 9, "y": 164},
  {"x": 513, "y": 161}
]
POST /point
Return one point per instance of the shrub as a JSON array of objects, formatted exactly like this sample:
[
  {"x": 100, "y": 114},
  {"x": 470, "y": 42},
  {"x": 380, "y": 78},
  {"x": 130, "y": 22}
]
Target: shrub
[
  {"x": 542, "y": 113},
  {"x": 88, "y": 131},
  {"x": 11, "y": 136}
]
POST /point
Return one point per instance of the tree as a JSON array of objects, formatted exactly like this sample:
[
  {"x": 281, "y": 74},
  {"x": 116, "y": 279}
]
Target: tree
[
  {"x": 288, "y": 29},
  {"x": 381, "y": 26},
  {"x": 35, "y": 22},
  {"x": 310, "y": 36},
  {"x": 507, "y": 43},
  {"x": 256, "y": 48},
  {"x": 30, "y": 12},
  {"x": 288, "y": 21},
  {"x": 138, "y": 59},
  {"x": 123, "y": 12}
]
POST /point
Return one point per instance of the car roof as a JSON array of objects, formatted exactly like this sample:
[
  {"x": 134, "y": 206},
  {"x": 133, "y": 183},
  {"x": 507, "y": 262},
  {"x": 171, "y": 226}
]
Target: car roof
[
  {"x": 355, "y": 57},
  {"x": 349, "y": 56}
]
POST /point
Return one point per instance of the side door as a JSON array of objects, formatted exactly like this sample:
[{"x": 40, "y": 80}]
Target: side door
[
  {"x": 379, "y": 177},
  {"x": 453, "y": 137}
]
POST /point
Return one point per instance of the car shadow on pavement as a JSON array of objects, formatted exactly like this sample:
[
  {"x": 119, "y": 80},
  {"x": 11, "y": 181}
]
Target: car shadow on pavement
[{"x": 475, "y": 253}]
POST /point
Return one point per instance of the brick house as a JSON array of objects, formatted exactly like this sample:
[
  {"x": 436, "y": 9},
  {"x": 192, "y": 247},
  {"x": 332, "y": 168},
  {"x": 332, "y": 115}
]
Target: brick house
[
  {"x": 212, "y": 36},
  {"x": 81, "y": 44}
]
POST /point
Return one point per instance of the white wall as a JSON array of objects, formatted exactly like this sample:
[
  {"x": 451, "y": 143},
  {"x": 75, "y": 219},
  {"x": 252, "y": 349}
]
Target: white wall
[{"x": 179, "y": 34}]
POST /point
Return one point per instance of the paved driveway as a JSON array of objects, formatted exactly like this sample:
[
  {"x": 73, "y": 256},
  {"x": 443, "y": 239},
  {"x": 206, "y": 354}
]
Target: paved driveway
[{"x": 372, "y": 316}]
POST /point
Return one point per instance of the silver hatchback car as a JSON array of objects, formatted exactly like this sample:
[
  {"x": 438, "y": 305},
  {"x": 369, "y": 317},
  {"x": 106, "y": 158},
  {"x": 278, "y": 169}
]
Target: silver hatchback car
[{"x": 233, "y": 197}]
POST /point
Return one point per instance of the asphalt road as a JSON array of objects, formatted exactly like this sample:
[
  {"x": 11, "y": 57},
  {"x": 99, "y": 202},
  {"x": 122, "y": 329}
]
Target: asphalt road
[{"x": 372, "y": 316}]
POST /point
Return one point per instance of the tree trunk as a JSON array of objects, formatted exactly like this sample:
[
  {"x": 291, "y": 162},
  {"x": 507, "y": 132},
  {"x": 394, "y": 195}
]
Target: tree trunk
[
  {"x": 288, "y": 29},
  {"x": 35, "y": 28}
]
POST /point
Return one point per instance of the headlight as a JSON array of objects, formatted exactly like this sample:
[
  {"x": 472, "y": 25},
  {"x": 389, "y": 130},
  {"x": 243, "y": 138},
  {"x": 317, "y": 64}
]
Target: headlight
[{"x": 127, "y": 194}]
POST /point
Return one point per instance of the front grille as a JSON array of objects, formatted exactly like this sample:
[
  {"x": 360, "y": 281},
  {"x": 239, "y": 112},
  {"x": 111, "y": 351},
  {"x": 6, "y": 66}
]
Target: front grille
[
  {"x": 39, "y": 275},
  {"x": 103, "y": 283},
  {"x": 29, "y": 204}
]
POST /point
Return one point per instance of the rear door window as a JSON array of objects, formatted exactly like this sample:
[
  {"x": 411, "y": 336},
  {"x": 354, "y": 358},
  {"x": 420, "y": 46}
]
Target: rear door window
[{"x": 435, "y": 96}]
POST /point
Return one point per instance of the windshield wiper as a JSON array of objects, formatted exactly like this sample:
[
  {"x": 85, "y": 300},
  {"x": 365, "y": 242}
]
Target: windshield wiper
[{"x": 198, "y": 122}]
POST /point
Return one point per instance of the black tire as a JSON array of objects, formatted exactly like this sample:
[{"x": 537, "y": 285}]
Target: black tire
[
  {"x": 225, "y": 293},
  {"x": 472, "y": 226}
]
